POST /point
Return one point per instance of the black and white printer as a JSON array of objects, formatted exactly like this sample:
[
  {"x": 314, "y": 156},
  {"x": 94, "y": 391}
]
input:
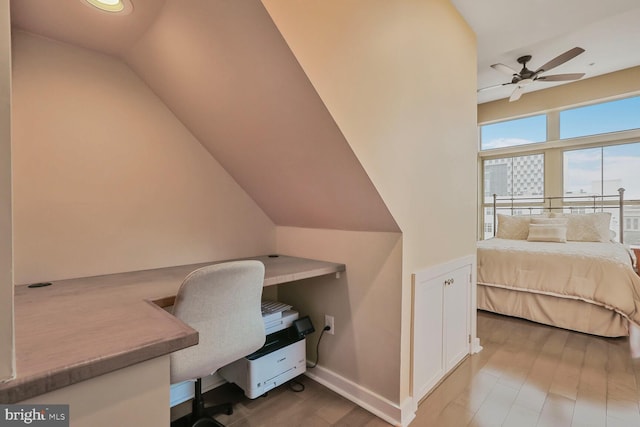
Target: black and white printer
[{"x": 282, "y": 358}]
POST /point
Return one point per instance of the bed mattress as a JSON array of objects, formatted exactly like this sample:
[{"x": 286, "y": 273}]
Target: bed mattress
[{"x": 584, "y": 286}]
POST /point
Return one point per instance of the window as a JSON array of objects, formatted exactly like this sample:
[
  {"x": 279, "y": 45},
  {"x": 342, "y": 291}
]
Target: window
[
  {"x": 521, "y": 176},
  {"x": 602, "y": 170},
  {"x": 632, "y": 224},
  {"x": 614, "y": 116},
  {"x": 517, "y": 177},
  {"x": 511, "y": 133},
  {"x": 575, "y": 165}
]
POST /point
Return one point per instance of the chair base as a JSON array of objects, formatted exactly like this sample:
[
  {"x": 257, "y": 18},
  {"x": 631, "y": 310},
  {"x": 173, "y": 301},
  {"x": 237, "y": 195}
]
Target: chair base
[
  {"x": 206, "y": 422},
  {"x": 201, "y": 416},
  {"x": 186, "y": 421}
]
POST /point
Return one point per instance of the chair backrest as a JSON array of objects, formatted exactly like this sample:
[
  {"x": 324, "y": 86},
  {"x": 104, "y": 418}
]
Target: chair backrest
[{"x": 221, "y": 302}]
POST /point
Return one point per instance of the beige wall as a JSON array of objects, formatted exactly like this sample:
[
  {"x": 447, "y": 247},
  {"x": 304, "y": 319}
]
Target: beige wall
[
  {"x": 106, "y": 179},
  {"x": 399, "y": 80},
  {"x": 366, "y": 345},
  {"x": 7, "y": 367},
  {"x": 601, "y": 87}
]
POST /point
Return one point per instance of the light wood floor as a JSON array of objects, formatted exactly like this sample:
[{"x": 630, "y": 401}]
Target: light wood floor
[
  {"x": 534, "y": 375},
  {"x": 526, "y": 375}
]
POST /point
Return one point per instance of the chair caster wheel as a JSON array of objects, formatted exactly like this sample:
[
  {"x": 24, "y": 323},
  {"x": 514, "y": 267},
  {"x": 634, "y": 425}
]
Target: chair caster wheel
[{"x": 205, "y": 422}]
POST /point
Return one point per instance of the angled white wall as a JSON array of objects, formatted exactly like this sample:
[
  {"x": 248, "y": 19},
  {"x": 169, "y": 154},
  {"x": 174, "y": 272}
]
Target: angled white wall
[{"x": 228, "y": 75}]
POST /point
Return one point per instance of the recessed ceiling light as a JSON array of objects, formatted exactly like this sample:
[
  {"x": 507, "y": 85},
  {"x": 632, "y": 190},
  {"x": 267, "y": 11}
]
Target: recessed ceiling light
[{"x": 113, "y": 6}]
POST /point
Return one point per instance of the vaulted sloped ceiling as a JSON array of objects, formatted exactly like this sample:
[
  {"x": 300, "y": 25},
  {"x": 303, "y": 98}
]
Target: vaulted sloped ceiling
[{"x": 225, "y": 71}]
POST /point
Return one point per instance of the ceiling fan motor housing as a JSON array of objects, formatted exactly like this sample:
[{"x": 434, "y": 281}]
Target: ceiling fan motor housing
[
  {"x": 525, "y": 73},
  {"x": 524, "y": 59}
]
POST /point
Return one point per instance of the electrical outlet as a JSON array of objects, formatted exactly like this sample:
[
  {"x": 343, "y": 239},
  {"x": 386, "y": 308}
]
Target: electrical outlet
[{"x": 328, "y": 321}]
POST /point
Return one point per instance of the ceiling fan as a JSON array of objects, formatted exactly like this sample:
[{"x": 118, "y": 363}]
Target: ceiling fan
[{"x": 525, "y": 76}]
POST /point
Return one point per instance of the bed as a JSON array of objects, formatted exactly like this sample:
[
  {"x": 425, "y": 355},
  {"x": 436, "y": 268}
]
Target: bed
[{"x": 561, "y": 269}]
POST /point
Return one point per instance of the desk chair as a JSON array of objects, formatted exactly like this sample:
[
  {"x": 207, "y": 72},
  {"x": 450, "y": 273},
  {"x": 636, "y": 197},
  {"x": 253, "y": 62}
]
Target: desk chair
[{"x": 221, "y": 302}]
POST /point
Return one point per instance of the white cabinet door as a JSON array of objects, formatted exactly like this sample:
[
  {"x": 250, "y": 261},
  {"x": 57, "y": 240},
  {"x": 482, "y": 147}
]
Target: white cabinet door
[
  {"x": 441, "y": 323},
  {"x": 456, "y": 316},
  {"x": 428, "y": 363}
]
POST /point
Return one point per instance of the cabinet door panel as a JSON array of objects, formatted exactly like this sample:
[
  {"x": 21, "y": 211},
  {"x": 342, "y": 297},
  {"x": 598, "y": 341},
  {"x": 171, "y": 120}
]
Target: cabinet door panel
[
  {"x": 456, "y": 316},
  {"x": 428, "y": 363}
]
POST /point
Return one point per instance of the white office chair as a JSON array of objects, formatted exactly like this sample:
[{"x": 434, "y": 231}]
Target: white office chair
[{"x": 221, "y": 302}]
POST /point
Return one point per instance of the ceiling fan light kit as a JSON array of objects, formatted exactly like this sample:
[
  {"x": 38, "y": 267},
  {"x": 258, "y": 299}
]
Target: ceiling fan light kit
[{"x": 525, "y": 76}]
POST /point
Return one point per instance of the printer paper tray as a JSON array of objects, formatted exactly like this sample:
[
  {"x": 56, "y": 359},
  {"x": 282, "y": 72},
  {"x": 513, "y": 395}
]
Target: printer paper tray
[{"x": 258, "y": 376}]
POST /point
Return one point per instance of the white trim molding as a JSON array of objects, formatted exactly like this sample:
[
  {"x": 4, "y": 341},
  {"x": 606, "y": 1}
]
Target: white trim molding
[{"x": 393, "y": 413}]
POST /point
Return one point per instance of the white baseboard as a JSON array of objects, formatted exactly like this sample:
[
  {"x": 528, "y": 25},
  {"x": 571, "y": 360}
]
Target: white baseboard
[
  {"x": 475, "y": 346},
  {"x": 398, "y": 415}
]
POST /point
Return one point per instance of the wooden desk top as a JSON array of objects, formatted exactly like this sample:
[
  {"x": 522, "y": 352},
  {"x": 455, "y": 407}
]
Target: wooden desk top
[{"x": 78, "y": 329}]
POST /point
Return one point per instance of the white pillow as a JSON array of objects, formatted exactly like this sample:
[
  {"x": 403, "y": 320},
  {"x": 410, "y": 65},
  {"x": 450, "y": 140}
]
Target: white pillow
[
  {"x": 592, "y": 227},
  {"x": 513, "y": 227},
  {"x": 547, "y": 233}
]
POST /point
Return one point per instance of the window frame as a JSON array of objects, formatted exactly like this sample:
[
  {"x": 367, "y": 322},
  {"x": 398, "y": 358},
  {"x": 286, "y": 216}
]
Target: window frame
[
  {"x": 594, "y": 104},
  {"x": 602, "y": 147},
  {"x": 482, "y": 165},
  {"x": 553, "y": 150},
  {"x": 530, "y": 144}
]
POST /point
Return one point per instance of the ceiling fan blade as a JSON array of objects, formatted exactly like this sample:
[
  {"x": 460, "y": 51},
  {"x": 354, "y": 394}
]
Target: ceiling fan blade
[
  {"x": 560, "y": 59},
  {"x": 561, "y": 77},
  {"x": 504, "y": 69},
  {"x": 493, "y": 87},
  {"x": 517, "y": 93}
]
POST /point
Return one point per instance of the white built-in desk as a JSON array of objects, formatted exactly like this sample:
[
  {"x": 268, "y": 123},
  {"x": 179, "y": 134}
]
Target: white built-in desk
[{"x": 81, "y": 328}]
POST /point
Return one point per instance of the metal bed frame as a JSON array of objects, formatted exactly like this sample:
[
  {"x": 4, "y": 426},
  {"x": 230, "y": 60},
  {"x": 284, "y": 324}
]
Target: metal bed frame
[{"x": 594, "y": 203}]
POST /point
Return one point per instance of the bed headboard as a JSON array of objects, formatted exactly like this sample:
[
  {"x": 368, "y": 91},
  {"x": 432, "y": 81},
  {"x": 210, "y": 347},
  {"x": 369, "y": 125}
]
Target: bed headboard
[{"x": 562, "y": 203}]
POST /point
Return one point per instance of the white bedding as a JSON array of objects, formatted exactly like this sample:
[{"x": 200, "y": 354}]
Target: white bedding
[
  {"x": 592, "y": 272},
  {"x": 611, "y": 251}
]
